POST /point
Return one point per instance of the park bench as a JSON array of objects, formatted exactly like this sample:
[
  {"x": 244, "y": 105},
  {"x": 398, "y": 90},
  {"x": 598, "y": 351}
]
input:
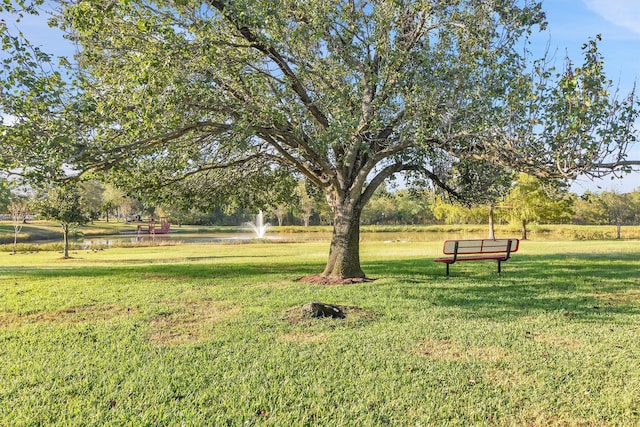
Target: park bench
[{"x": 498, "y": 250}]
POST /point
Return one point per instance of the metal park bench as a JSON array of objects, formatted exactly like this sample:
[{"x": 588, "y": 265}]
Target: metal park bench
[{"x": 498, "y": 250}]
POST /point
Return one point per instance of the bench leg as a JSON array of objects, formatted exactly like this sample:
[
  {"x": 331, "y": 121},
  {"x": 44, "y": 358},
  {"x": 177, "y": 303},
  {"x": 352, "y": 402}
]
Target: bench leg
[
  {"x": 447, "y": 269},
  {"x": 499, "y": 267}
]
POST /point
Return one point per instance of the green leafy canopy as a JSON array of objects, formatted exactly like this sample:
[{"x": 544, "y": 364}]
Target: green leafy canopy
[{"x": 343, "y": 92}]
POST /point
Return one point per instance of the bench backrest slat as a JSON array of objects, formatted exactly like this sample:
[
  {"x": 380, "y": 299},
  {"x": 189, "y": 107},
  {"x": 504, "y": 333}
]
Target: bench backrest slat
[{"x": 480, "y": 246}]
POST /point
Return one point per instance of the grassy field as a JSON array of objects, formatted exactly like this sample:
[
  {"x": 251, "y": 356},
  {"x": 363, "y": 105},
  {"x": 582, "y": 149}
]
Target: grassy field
[{"x": 212, "y": 335}]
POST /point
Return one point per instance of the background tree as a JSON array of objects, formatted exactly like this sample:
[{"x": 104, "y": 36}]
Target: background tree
[
  {"x": 63, "y": 204},
  {"x": 18, "y": 209},
  {"x": 127, "y": 207},
  {"x": 414, "y": 207},
  {"x": 382, "y": 208},
  {"x": 531, "y": 200},
  {"x": 608, "y": 207},
  {"x": 112, "y": 198},
  {"x": 347, "y": 94},
  {"x": 619, "y": 209},
  {"x": 281, "y": 211},
  {"x": 307, "y": 203},
  {"x": 92, "y": 195},
  {"x": 405, "y": 206},
  {"x": 456, "y": 213},
  {"x": 590, "y": 209},
  {"x": 5, "y": 194},
  {"x": 634, "y": 201}
]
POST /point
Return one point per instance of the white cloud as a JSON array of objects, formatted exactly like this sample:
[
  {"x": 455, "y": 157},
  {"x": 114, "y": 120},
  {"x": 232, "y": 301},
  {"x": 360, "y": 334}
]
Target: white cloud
[{"x": 624, "y": 13}]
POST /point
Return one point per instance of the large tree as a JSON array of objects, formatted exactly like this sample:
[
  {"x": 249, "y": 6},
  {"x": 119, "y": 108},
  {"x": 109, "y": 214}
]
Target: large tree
[{"x": 346, "y": 93}]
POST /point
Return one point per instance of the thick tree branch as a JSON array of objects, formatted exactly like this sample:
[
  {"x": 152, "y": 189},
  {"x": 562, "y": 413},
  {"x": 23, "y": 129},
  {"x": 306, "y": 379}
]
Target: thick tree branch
[
  {"x": 402, "y": 167},
  {"x": 282, "y": 63},
  {"x": 209, "y": 167},
  {"x": 99, "y": 160},
  {"x": 287, "y": 137},
  {"x": 616, "y": 165},
  {"x": 304, "y": 168}
]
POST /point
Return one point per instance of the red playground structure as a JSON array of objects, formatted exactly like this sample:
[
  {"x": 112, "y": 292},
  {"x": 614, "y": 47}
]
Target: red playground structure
[{"x": 161, "y": 227}]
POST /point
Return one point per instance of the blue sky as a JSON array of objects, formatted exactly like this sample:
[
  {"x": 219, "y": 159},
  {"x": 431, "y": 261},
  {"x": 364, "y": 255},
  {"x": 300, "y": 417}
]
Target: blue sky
[{"x": 571, "y": 23}]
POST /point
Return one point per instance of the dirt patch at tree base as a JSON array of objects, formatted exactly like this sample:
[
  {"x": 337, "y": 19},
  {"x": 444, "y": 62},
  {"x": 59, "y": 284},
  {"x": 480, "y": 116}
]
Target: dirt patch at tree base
[{"x": 319, "y": 279}]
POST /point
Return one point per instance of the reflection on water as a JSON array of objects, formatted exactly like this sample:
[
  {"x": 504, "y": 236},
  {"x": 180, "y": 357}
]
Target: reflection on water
[{"x": 230, "y": 238}]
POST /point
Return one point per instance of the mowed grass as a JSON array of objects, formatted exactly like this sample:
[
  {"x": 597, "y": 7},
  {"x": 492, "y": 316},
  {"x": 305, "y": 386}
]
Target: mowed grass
[{"x": 212, "y": 335}]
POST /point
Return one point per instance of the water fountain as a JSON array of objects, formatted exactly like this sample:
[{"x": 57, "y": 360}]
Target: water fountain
[{"x": 259, "y": 227}]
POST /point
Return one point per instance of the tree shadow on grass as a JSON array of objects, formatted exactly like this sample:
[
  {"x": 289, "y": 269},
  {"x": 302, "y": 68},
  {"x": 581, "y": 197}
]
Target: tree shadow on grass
[
  {"x": 178, "y": 270},
  {"x": 576, "y": 286}
]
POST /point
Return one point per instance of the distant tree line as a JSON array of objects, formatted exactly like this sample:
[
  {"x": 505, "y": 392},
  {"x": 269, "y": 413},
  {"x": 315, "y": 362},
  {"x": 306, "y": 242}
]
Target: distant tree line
[{"x": 528, "y": 201}]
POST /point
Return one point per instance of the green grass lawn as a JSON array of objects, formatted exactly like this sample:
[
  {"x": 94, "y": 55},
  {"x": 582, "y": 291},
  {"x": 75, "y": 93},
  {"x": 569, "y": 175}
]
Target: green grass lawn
[{"x": 200, "y": 335}]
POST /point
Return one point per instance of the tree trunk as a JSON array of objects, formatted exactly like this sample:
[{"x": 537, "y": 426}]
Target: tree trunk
[
  {"x": 524, "y": 229},
  {"x": 344, "y": 254},
  {"x": 15, "y": 242},
  {"x": 65, "y": 232},
  {"x": 618, "y": 231},
  {"x": 492, "y": 234}
]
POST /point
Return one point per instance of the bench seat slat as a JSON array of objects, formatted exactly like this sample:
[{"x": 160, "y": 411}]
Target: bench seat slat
[{"x": 473, "y": 258}]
